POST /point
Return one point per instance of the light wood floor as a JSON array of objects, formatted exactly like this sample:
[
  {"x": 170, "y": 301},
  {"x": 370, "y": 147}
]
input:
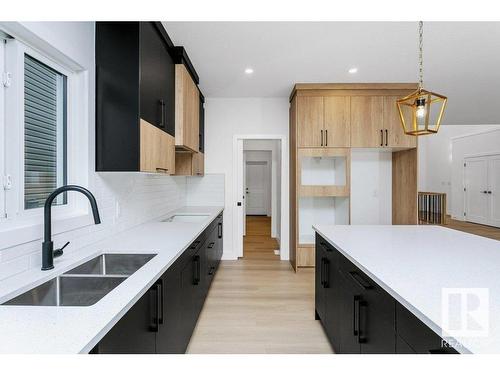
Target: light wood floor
[
  {"x": 258, "y": 243},
  {"x": 259, "y": 305},
  {"x": 480, "y": 230}
]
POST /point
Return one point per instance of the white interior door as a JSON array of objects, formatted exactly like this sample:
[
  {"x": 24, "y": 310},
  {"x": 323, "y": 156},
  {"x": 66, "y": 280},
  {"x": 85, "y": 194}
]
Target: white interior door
[
  {"x": 494, "y": 190},
  {"x": 256, "y": 187},
  {"x": 243, "y": 167},
  {"x": 476, "y": 187}
]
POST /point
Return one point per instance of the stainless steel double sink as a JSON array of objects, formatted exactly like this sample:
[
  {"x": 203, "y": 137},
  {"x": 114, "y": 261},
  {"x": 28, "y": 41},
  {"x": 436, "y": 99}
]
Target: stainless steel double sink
[{"x": 85, "y": 284}]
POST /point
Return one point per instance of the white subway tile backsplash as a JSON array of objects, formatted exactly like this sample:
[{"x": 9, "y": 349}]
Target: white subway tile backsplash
[{"x": 125, "y": 200}]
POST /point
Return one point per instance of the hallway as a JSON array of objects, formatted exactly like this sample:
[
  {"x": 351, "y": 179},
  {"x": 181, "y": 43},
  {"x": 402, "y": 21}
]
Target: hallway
[
  {"x": 258, "y": 304},
  {"x": 258, "y": 243}
]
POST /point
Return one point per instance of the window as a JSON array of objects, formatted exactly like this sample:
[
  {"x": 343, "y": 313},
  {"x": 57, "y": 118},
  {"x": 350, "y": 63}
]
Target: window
[
  {"x": 38, "y": 117},
  {"x": 45, "y": 120}
]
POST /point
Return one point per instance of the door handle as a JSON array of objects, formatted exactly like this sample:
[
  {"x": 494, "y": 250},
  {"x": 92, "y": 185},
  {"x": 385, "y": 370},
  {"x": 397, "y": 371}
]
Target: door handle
[
  {"x": 326, "y": 137},
  {"x": 386, "y": 137},
  {"x": 381, "y": 137},
  {"x": 321, "y": 137},
  {"x": 489, "y": 192},
  {"x": 162, "y": 113}
]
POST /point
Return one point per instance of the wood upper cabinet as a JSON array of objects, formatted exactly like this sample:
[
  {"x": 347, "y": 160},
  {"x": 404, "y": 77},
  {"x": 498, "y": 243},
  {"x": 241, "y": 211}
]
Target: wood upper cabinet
[
  {"x": 310, "y": 110},
  {"x": 190, "y": 164},
  {"x": 157, "y": 150},
  {"x": 323, "y": 121},
  {"x": 198, "y": 164},
  {"x": 337, "y": 121},
  {"x": 187, "y": 110},
  {"x": 396, "y": 136},
  {"x": 367, "y": 121}
]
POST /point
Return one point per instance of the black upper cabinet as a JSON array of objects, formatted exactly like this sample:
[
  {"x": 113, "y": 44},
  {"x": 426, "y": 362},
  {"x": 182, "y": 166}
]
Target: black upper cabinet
[
  {"x": 157, "y": 81},
  {"x": 135, "y": 78}
]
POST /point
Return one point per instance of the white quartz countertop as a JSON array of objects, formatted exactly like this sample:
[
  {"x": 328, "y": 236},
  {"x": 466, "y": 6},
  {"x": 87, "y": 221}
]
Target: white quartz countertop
[
  {"x": 414, "y": 263},
  {"x": 65, "y": 329}
]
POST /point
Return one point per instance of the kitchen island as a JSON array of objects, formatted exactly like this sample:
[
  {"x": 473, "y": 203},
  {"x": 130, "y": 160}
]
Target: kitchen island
[{"x": 410, "y": 267}]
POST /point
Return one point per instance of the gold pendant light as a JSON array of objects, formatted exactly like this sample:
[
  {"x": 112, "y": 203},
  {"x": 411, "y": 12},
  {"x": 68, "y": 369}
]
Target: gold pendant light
[{"x": 421, "y": 112}]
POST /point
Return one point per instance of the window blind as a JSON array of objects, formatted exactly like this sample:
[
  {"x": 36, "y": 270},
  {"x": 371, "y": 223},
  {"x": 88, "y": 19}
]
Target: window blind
[{"x": 44, "y": 132}]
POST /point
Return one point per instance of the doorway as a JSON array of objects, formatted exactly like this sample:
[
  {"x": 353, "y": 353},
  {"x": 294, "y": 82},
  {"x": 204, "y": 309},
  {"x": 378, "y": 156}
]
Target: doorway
[
  {"x": 259, "y": 183},
  {"x": 482, "y": 189}
]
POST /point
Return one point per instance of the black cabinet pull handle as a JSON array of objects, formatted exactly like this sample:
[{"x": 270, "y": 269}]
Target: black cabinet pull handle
[
  {"x": 195, "y": 244},
  {"x": 322, "y": 271},
  {"x": 326, "y": 137},
  {"x": 327, "y": 274},
  {"x": 321, "y": 137},
  {"x": 162, "y": 113},
  {"x": 159, "y": 295},
  {"x": 211, "y": 245},
  {"x": 360, "y": 281},
  {"x": 154, "y": 327},
  {"x": 219, "y": 230},
  {"x": 381, "y": 137},
  {"x": 386, "y": 137},
  {"x": 325, "y": 246},
  {"x": 355, "y": 319},
  {"x": 361, "y": 333},
  {"x": 442, "y": 351},
  {"x": 211, "y": 271},
  {"x": 196, "y": 270}
]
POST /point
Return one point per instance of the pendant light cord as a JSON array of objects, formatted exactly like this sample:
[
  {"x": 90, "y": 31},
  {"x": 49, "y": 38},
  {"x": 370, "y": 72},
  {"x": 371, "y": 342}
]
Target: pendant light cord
[{"x": 420, "y": 55}]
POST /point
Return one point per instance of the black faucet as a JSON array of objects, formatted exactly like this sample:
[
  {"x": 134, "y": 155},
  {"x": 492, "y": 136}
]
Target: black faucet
[{"x": 48, "y": 252}]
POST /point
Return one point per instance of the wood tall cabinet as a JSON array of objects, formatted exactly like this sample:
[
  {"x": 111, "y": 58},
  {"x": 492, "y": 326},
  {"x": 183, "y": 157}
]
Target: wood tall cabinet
[{"x": 328, "y": 121}]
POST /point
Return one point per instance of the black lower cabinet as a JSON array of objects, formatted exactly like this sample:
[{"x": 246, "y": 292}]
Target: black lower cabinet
[
  {"x": 360, "y": 317},
  {"x": 163, "y": 319},
  {"x": 134, "y": 332}
]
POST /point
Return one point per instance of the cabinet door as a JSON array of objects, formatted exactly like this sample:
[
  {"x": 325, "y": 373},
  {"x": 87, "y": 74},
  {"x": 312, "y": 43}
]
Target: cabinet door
[
  {"x": 377, "y": 321},
  {"x": 187, "y": 107},
  {"x": 198, "y": 164},
  {"x": 157, "y": 150},
  {"x": 333, "y": 321},
  {"x": 134, "y": 332},
  {"x": 167, "y": 152},
  {"x": 152, "y": 75},
  {"x": 395, "y": 136},
  {"x": 367, "y": 115},
  {"x": 309, "y": 121},
  {"x": 169, "y": 336},
  {"x": 350, "y": 300},
  {"x": 319, "y": 289},
  {"x": 337, "y": 131}
]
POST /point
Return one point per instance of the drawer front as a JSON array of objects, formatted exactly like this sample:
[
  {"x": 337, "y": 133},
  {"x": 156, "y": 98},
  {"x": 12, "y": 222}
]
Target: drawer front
[{"x": 417, "y": 335}]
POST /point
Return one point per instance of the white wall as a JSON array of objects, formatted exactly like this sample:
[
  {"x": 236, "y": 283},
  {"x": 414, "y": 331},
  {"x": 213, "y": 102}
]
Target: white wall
[
  {"x": 275, "y": 147},
  {"x": 124, "y": 199},
  {"x": 227, "y": 117},
  {"x": 371, "y": 187},
  {"x": 439, "y": 160}
]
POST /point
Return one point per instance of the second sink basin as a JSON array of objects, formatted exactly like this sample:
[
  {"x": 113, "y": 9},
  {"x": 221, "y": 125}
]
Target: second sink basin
[
  {"x": 68, "y": 291},
  {"x": 112, "y": 264}
]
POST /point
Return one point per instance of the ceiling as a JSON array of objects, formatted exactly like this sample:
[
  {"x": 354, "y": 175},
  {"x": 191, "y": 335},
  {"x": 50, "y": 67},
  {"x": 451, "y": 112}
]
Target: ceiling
[{"x": 461, "y": 59}]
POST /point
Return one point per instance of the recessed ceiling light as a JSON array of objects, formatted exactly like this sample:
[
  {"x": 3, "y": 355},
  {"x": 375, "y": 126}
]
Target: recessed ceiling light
[
  {"x": 353, "y": 70},
  {"x": 248, "y": 71}
]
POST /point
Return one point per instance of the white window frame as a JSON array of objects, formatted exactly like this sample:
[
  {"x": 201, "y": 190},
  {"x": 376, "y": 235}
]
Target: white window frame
[
  {"x": 2, "y": 132},
  {"x": 21, "y": 225}
]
